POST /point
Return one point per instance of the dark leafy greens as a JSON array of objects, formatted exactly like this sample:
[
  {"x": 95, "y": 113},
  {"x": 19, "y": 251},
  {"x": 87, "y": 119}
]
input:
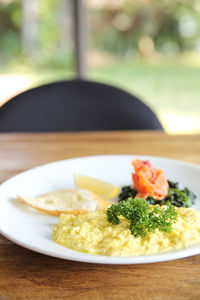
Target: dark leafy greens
[
  {"x": 175, "y": 196},
  {"x": 126, "y": 192},
  {"x": 143, "y": 218}
]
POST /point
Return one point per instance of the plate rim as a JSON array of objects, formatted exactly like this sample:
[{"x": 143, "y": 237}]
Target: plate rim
[{"x": 181, "y": 162}]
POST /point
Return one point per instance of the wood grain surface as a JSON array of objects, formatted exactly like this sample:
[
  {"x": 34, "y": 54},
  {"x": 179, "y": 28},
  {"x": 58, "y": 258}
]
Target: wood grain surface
[{"x": 28, "y": 275}]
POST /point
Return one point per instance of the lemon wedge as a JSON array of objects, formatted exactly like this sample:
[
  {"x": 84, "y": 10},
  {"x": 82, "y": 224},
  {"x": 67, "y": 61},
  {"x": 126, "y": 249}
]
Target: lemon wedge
[{"x": 101, "y": 188}]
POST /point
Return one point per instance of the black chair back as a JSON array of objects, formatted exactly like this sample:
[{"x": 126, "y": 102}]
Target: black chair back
[{"x": 76, "y": 105}]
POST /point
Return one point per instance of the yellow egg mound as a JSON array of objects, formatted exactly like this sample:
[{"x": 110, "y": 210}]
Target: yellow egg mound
[{"x": 92, "y": 233}]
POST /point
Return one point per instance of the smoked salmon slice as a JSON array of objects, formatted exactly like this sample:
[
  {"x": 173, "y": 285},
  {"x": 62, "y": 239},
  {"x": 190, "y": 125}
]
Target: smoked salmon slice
[{"x": 149, "y": 181}]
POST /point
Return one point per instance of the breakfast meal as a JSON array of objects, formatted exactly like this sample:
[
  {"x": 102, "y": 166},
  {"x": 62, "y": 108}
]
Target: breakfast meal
[{"x": 152, "y": 216}]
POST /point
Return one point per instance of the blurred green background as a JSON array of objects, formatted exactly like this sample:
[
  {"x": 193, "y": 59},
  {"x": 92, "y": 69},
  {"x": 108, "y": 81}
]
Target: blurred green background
[{"x": 149, "y": 47}]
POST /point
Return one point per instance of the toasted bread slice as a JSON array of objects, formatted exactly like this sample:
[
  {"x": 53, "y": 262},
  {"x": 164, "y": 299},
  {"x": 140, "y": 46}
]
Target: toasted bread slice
[{"x": 77, "y": 201}]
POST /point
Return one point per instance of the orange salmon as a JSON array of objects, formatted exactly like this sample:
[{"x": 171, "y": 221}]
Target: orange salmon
[{"x": 149, "y": 181}]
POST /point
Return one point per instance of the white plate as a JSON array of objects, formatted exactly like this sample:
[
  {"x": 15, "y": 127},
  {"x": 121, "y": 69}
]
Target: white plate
[{"x": 33, "y": 230}]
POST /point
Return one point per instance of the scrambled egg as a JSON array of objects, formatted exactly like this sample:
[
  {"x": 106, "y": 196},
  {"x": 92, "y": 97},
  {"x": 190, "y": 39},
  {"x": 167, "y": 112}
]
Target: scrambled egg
[{"x": 92, "y": 233}]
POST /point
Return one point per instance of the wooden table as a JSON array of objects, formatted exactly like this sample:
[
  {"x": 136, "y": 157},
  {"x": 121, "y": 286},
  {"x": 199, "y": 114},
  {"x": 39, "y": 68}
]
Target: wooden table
[{"x": 28, "y": 275}]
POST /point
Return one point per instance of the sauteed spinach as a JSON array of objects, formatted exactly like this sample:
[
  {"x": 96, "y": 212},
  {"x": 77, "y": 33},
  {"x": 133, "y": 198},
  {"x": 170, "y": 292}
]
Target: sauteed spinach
[{"x": 176, "y": 196}]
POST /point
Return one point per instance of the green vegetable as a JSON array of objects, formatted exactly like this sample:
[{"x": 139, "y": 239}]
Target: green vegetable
[
  {"x": 175, "y": 196},
  {"x": 127, "y": 191},
  {"x": 190, "y": 195},
  {"x": 143, "y": 218},
  {"x": 172, "y": 185}
]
